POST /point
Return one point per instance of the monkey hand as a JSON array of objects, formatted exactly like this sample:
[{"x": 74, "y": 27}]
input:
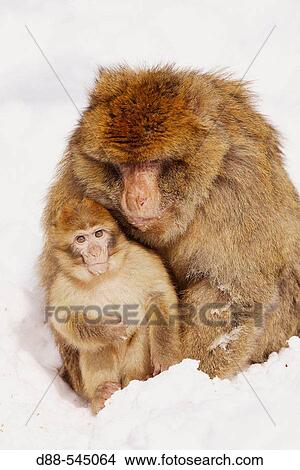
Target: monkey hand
[
  {"x": 160, "y": 364},
  {"x": 103, "y": 393},
  {"x": 117, "y": 332}
]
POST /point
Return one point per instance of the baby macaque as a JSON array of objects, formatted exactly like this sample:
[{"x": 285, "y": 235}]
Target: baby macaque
[{"x": 111, "y": 304}]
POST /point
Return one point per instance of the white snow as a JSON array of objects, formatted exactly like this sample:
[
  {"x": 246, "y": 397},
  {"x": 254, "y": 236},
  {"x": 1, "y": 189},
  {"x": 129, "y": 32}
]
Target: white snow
[{"x": 181, "y": 408}]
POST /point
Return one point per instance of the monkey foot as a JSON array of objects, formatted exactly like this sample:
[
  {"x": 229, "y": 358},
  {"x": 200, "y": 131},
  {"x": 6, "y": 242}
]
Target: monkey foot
[
  {"x": 158, "y": 367},
  {"x": 103, "y": 393}
]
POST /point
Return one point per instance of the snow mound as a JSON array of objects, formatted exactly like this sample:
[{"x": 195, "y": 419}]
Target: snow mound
[{"x": 181, "y": 408}]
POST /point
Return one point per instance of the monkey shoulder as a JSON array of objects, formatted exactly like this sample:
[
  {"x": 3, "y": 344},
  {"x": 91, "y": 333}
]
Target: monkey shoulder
[
  {"x": 63, "y": 290},
  {"x": 148, "y": 268}
]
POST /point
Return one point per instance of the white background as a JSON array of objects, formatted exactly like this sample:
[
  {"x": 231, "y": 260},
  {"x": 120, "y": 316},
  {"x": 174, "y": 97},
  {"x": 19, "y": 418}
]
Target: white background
[{"x": 182, "y": 408}]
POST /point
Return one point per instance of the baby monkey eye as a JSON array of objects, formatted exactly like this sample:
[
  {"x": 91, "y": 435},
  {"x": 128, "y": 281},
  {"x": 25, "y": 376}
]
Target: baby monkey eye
[
  {"x": 99, "y": 233},
  {"x": 80, "y": 239}
]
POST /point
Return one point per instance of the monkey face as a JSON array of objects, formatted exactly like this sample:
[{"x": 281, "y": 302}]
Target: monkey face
[
  {"x": 84, "y": 238},
  {"x": 93, "y": 246},
  {"x": 139, "y": 146},
  {"x": 147, "y": 195}
]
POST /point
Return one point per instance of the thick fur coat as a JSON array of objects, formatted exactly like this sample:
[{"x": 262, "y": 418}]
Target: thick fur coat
[{"x": 229, "y": 229}]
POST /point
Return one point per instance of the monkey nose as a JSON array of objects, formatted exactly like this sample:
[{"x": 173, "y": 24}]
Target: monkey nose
[
  {"x": 94, "y": 252},
  {"x": 141, "y": 200}
]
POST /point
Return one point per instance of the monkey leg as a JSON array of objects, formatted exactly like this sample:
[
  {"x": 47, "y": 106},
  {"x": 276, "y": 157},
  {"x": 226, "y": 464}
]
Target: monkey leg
[
  {"x": 70, "y": 370},
  {"x": 214, "y": 333},
  {"x": 103, "y": 393},
  {"x": 84, "y": 335},
  {"x": 136, "y": 363},
  {"x": 282, "y": 317},
  {"x": 100, "y": 375},
  {"x": 163, "y": 326}
]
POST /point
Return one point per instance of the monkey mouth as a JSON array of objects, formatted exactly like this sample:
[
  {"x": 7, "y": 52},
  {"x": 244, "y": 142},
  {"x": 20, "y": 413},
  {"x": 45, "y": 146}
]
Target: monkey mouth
[
  {"x": 142, "y": 223},
  {"x": 146, "y": 223},
  {"x": 97, "y": 268}
]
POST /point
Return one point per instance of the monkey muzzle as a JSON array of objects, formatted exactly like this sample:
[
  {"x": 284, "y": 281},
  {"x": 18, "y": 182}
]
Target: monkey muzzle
[
  {"x": 96, "y": 259},
  {"x": 97, "y": 268},
  {"x": 140, "y": 200}
]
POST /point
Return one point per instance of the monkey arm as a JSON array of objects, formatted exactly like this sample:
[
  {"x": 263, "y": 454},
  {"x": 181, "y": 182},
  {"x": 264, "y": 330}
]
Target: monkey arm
[
  {"x": 223, "y": 338},
  {"x": 83, "y": 334},
  {"x": 163, "y": 325},
  {"x": 64, "y": 188},
  {"x": 70, "y": 370},
  {"x": 61, "y": 191}
]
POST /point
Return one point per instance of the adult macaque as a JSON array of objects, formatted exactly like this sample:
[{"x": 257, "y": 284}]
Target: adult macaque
[
  {"x": 109, "y": 303},
  {"x": 190, "y": 168}
]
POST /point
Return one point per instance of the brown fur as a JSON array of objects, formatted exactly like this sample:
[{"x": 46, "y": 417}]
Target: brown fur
[
  {"x": 231, "y": 231},
  {"x": 98, "y": 358}
]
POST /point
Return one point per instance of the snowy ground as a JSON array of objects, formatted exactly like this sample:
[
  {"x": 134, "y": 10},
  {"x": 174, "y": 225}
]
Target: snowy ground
[{"x": 181, "y": 408}]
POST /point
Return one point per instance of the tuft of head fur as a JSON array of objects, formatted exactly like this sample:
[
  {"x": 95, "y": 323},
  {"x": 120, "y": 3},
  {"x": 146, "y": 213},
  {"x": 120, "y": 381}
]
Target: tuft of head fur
[
  {"x": 76, "y": 215},
  {"x": 136, "y": 115},
  {"x": 83, "y": 214}
]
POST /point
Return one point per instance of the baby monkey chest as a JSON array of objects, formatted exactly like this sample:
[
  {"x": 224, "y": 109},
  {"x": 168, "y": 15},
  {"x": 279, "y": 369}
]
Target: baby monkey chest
[{"x": 115, "y": 303}]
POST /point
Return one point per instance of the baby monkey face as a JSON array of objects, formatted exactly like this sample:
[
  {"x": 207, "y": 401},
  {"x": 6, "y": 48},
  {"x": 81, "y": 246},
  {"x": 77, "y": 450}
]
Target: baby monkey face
[{"x": 93, "y": 246}]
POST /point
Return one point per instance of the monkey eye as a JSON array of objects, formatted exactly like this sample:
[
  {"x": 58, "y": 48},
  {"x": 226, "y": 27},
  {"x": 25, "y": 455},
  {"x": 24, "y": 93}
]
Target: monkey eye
[
  {"x": 99, "y": 233},
  {"x": 80, "y": 239}
]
